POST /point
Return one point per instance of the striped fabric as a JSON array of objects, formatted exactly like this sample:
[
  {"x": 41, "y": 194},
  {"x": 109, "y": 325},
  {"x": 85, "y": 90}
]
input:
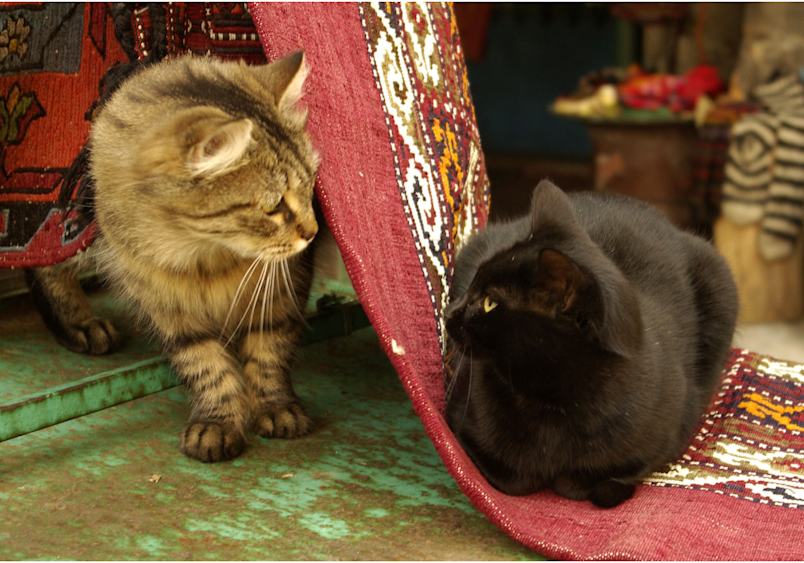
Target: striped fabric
[
  {"x": 765, "y": 168},
  {"x": 784, "y": 208}
]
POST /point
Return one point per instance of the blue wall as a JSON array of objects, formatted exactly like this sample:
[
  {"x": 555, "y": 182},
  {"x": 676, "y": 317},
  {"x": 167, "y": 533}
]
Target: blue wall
[{"x": 528, "y": 63}]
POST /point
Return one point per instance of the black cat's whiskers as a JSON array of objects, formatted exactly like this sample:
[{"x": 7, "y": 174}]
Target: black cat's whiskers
[
  {"x": 454, "y": 372},
  {"x": 510, "y": 380},
  {"x": 469, "y": 388}
]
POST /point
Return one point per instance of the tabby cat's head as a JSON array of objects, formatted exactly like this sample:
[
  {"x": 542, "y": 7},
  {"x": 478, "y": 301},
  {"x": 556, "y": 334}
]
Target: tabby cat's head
[
  {"x": 543, "y": 291},
  {"x": 195, "y": 156}
]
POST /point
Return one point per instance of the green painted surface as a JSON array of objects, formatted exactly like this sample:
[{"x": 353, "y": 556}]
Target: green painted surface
[
  {"x": 23, "y": 349},
  {"x": 365, "y": 484},
  {"x": 64, "y": 402},
  {"x": 31, "y": 361}
]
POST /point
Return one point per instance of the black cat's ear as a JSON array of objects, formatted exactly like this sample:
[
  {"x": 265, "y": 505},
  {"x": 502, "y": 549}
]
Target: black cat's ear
[
  {"x": 550, "y": 207},
  {"x": 621, "y": 328},
  {"x": 560, "y": 279},
  {"x": 605, "y": 304},
  {"x": 284, "y": 80}
]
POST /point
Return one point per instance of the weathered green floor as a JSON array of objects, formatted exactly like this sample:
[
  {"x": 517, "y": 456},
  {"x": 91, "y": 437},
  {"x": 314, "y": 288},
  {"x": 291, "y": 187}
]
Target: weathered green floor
[{"x": 366, "y": 484}]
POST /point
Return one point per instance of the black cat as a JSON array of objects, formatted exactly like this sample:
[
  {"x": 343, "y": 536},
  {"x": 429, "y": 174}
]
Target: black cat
[{"x": 587, "y": 340}]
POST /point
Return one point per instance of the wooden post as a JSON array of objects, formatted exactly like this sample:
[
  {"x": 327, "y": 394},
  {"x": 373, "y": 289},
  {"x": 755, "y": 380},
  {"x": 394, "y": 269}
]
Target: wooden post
[{"x": 769, "y": 291}]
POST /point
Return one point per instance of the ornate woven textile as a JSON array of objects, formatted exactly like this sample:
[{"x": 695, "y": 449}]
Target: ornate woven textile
[
  {"x": 402, "y": 180},
  {"x": 750, "y": 443},
  {"x": 224, "y": 29},
  {"x": 402, "y": 183},
  {"x": 52, "y": 60}
]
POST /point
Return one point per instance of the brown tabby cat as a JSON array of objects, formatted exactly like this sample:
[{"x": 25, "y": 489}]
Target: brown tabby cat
[{"x": 203, "y": 194}]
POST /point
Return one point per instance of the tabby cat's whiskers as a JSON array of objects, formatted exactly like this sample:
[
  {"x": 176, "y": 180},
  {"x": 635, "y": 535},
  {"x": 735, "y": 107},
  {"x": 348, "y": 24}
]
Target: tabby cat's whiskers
[
  {"x": 264, "y": 305},
  {"x": 251, "y": 303},
  {"x": 289, "y": 286},
  {"x": 255, "y": 296},
  {"x": 236, "y": 298}
]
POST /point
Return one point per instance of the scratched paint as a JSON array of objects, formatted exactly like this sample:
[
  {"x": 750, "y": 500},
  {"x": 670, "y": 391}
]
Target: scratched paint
[
  {"x": 366, "y": 484},
  {"x": 80, "y": 396}
]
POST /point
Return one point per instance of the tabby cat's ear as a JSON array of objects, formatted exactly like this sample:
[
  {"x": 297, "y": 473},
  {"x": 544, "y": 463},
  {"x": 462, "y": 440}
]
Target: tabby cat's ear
[
  {"x": 284, "y": 80},
  {"x": 550, "y": 208},
  {"x": 221, "y": 147},
  {"x": 202, "y": 141}
]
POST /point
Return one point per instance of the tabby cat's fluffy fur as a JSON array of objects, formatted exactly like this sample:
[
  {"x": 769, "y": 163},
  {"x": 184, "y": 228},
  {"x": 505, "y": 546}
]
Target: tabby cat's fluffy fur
[
  {"x": 588, "y": 339},
  {"x": 203, "y": 194}
]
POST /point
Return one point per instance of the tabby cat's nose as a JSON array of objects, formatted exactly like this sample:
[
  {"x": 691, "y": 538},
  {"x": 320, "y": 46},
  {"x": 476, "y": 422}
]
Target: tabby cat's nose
[{"x": 307, "y": 232}]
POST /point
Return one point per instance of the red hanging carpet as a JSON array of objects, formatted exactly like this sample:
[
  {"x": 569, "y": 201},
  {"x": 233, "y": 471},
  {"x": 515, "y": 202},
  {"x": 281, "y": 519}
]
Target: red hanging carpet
[
  {"x": 52, "y": 60},
  {"x": 402, "y": 183},
  {"x": 53, "y": 57}
]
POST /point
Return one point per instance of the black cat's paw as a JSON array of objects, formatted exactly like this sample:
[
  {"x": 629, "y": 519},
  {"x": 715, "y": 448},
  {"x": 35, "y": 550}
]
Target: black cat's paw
[
  {"x": 212, "y": 441},
  {"x": 285, "y": 420},
  {"x": 94, "y": 336},
  {"x": 569, "y": 487},
  {"x": 609, "y": 494}
]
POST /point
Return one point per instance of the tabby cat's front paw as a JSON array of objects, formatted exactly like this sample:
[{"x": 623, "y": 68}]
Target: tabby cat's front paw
[
  {"x": 285, "y": 420},
  {"x": 212, "y": 441},
  {"x": 95, "y": 336}
]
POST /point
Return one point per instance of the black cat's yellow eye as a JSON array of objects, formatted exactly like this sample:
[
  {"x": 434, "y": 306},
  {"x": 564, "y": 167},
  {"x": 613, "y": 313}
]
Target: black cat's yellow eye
[{"x": 488, "y": 304}]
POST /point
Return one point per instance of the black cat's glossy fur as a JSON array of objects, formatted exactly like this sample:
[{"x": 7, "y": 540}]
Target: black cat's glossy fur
[{"x": 588, "y": 339}]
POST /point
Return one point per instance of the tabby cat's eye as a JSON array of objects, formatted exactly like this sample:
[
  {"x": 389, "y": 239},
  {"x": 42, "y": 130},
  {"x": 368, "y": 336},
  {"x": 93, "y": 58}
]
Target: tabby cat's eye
[
  {"x": 268, "y": 208},
  {"x": 488, "y": 304}
]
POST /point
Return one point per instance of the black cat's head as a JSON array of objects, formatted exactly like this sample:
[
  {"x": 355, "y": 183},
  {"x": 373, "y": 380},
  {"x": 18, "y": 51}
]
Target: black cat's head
[{"x": 549, "y": 287}]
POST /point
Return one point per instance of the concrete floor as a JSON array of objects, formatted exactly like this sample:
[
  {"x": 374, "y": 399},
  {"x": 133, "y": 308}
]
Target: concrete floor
[
  {"x": 782, "y": 340},
  {"x": 367, "y": 483}
]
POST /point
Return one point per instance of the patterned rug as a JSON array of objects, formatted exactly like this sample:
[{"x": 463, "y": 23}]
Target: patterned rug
[
  {"x": 402, "y": 184},
  {"x": 52, "y": 60}
]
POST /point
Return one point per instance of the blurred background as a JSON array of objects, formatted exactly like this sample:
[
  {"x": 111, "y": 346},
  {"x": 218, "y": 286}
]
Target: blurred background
[{"x": 652, "y": 100}]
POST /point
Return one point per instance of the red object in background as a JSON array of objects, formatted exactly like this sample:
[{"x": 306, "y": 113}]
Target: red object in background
[
  {"x": 651, "y": 91},
  {"x": 703, "y": 79},
  {"x": 473, "y": 25}
]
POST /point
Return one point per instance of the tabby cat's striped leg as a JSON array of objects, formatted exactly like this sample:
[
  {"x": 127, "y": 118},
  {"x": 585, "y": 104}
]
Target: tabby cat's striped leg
[
  {"x": 267, "y": 357},
  {"x": 63, "y": 305},
  {"x": 219, "y": 415}
]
